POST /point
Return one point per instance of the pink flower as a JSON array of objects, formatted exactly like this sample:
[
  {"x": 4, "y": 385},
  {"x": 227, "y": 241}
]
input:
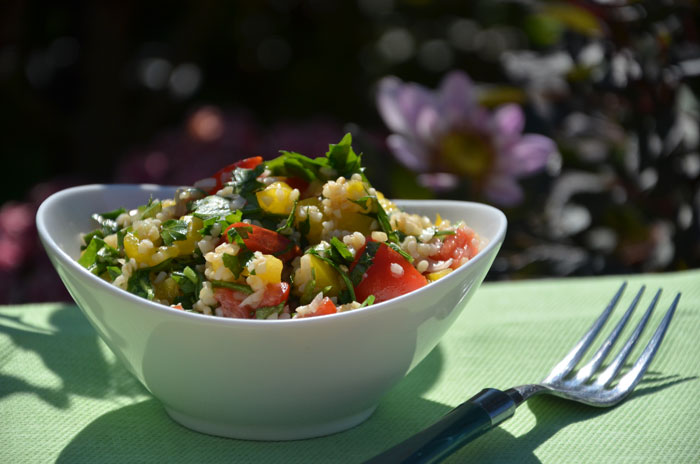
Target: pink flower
[{"x": 445, "y": 135}]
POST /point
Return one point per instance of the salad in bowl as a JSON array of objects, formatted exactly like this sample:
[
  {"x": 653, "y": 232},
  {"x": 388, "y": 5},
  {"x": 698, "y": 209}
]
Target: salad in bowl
[
  {"x": 275, "y": 300},
  {"x": 291, "y": 237}
]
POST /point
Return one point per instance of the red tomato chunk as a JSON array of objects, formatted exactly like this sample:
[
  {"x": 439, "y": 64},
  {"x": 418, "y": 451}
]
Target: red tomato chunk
[
  {"x": 325, "y": 307},
  {"x": 230, "y": 300},
  {"x": 457, "y": 246},
  {"x": 380, "y": 281},
  {"x": 266, "y": 241}
]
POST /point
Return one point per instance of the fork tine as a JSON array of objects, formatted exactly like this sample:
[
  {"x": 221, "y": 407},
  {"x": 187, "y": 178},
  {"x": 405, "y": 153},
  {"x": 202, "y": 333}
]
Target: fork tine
[
  {"x": 632, "y": 378},
  {"x": 606, "y": 377},
  {"x": 574, "y": 356},
  {"x": 587, "y": 371}
]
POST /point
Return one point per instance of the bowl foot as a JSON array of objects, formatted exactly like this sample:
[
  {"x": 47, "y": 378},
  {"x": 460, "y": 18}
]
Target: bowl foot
[{"x": 269, "y": 432}]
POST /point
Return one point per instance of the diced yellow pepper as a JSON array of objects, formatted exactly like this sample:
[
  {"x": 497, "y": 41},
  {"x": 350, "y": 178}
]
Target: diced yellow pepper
[
  {"x": 187, "y": 246},
  {"x": 355, "y": 189},
  {"x": 326, "y": 276},
  {"x": 355, "y": 222},
  {"x": 167, "y": 289},
  {"x": 433, "y": 276},
  {"x": 273, "y": 270},
  {"x": 315, "y": 227},
  {"x": 275, "y": 198},
  {"x": 150, "y": 256}
]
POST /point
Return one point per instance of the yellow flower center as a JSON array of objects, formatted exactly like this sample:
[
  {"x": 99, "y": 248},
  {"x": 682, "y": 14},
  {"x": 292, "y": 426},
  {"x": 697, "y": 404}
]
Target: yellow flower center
[{"x": 467, "y": 154}]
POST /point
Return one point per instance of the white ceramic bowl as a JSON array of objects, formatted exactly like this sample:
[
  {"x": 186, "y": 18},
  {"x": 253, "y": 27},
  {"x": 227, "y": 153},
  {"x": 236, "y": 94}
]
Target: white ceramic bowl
[{"x": 263, "y": 380}]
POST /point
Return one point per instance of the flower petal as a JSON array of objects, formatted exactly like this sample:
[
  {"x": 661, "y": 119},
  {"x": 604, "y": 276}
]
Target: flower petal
[
  {"x": 527, "y": 155},
  {"x": 400, "y": 104},
  {"x": 456, "y": 97},
  {"x": 410, "y": 153},
  {"x": 508, "y": 121},
  {"x": 503, "y": 190},
  {"x": 429, "y": 125},
  {"x": 439, "y": 181}
]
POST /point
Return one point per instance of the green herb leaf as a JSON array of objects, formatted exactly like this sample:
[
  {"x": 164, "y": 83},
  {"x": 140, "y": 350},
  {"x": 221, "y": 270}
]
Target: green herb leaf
[
  {"x": 140, "y": 284},
  {"x": 343, "y": 159},
  {"x": 372, "y": 204},
  {"x": 291, "y": 164},
  {"x": 237, "y": 263},
  {"x": 232, "y": 286},
  {"x": 151, "y": 209},
  {"x": 98, "y": 256},
  {"x": 397, "y": 248},
  {"x": 245, "y": 181},
  {"x": 345, "y": 296},
  {"x": 364, "y": 263},
  {"x": 443, "y": 233},
  {"x": 340, "y": 252},
  {"x": 211, "y": 207},
  {"x": 114, "y": 214},
  {"x": 114, "y": 272},
  {"x": 89, "y": 256},
  {"x": 173, "y": 230},
  {"x": 309, "y": 290},
  {"x": 369, "y": 301},
  {"x": 289, "y": 223},
  {"x": 267, "y": 311}
]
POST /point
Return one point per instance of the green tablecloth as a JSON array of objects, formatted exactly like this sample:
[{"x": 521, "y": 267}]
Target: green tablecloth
[{"x": 64, "y": 397}]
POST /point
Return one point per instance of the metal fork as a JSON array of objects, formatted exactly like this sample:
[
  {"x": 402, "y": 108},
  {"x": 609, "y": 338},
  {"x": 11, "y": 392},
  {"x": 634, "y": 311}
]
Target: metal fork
[{"x": 590, "y": 385}]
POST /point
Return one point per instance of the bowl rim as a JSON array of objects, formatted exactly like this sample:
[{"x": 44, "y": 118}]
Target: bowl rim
[{"x": 45, "y": 208}]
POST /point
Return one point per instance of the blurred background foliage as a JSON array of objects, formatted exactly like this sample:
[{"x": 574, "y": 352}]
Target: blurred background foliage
[{"x": 167, "y": 92}]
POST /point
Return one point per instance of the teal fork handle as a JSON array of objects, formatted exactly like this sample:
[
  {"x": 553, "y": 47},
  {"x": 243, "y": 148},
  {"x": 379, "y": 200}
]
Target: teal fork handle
[{"x": 463, "y": 424}]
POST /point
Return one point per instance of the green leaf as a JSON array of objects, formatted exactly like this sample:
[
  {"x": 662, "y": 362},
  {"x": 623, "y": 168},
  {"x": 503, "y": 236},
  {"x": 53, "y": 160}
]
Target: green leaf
[
  {"x": 89, "y": 256},
  {"x": 140, "y": 281},
  {"x": 237, "y": 263},
  {"x": 343, "y": 158},
  {"x": 443, "y": 233},
  {"x": 372, "y": 204},
  {"x": 289, "y": 223},
  {"x": 340, "y": 252},
  {"x": 291, "y": 164},
  {"x": 364, "y": 263},
  {"x": 140, "y": 284},
  {"x": 232, "y": 286},
  {"x": 151, "y": 209},
  {"x": 349, "y": 294},
  {"x": 173, "y": 230},
  {"x": 114, "y": 272},
  {"x": 98, "y": 256},
  {"x": 397, "y": 248},
  {"x": 114, "y": 214},
  {"x": 369, "y": 301},
  {"x": 267, "y": 311},
  {"x": 191, "y": 274},
  {"x": 237, "y": 234},
  {"x": 211, "y": 207},
  {"x": 310, "y": 289}
]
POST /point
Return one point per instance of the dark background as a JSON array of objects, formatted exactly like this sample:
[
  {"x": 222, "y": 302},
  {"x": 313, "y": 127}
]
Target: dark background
[{"x": 167, "y": 92}]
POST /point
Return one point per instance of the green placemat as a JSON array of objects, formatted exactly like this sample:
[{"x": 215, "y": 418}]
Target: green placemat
[{"x": 64, "y": 397}]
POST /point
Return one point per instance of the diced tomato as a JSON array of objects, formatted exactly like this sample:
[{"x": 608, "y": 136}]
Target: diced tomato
[
  {"x": 325, "y": 307},
  {"x": 275, "y": 294},
  {"x": 456, "y": 247},
  {"x": 297, "y": 183},
  {"x": 177, "y": 306},
  {"x": 381, "y": 282},
  {"x": 230, "y": 300},
  {"x": 266, "y": 241},
  {"x": 223, "y": 175}
]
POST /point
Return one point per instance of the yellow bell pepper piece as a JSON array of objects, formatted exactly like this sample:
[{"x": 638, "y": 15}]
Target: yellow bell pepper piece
[{"x": 276, "y": 198}]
